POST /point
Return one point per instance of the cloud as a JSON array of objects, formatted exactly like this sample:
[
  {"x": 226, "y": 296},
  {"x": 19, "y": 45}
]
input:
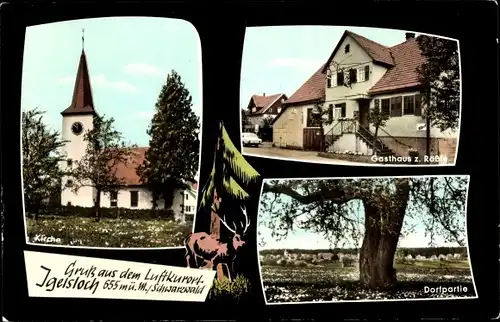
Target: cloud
[
  {"x": 143, "y": 69},
  {"x": 301, "y": 64},
  {"x": 102, "y": 82}
]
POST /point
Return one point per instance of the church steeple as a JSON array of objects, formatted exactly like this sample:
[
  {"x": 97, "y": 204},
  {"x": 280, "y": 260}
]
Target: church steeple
[{"x": 82, "y": 102}]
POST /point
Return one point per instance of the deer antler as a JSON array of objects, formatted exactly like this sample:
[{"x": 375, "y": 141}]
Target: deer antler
[
  {"x": 247, "y": 221},
  {"x": 223, "y": 220}
]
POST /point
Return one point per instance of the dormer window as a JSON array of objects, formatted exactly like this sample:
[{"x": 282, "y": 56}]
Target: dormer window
[{"x": 346, "y": 49}]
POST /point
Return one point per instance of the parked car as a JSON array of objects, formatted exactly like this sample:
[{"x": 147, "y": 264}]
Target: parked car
[{"x": 250, "y": 139}]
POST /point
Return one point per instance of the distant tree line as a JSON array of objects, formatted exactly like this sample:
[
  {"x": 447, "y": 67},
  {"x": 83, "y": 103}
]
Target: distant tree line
[{"x": 423, "y": 251}]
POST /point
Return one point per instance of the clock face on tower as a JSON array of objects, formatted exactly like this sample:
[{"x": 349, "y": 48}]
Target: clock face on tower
[{"x": 77, "y": 128}]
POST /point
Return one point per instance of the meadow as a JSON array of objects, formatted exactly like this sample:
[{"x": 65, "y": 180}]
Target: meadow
[
  {"x": 300, "y": 281},
  {"x": 108, "y": 232}
]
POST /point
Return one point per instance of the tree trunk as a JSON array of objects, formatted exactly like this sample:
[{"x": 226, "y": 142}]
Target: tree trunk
[
  {"x": 36, "y": 211},
  {"x": 428, "y": 127},
  {"x": 382, "y": 230},
  {"x": 97, "y": 205},
  {"x": 215, "y": 233}
]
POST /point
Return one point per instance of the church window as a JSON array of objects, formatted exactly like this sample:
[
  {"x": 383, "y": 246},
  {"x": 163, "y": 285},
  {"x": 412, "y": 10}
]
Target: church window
[{"x": 134, "y": 198}]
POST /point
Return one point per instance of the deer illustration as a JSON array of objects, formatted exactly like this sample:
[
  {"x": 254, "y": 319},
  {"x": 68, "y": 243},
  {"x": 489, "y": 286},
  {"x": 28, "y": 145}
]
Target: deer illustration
[{"x": 211, "y": 251}]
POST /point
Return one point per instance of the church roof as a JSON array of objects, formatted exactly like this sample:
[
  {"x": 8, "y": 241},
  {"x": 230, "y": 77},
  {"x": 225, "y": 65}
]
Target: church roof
[
  {"x": 127, "y": 171},
  {"x": 82, "y": 102}
]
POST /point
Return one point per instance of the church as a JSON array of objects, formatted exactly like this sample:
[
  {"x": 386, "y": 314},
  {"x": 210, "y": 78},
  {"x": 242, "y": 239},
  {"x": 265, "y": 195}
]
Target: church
[{"x": 78, "y": 118}]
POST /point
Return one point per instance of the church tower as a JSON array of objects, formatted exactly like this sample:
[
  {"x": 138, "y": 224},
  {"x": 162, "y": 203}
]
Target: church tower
[{"x": 76, "y": 120}]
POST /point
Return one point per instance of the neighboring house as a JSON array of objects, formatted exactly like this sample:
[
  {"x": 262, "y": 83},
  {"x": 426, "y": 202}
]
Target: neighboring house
[
  {"x": 77, "y": 119},
  {"x": 261, "y": 107},
  {"x": 375, "y": 75}
]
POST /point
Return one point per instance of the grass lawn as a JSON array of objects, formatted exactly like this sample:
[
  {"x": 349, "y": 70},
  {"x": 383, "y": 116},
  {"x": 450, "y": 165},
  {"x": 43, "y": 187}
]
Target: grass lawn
[
  {"x": 121, "y": 233},
  {"x": 333, "y": 283}
]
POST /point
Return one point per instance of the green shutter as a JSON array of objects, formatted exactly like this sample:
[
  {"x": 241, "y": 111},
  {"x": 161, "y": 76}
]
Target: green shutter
[{"x": 418, "y": 105}]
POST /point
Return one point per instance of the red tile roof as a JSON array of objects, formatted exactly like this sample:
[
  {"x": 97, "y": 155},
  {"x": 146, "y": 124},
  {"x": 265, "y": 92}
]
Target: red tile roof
[
  {"x": 402, "y": 61},
  {"x": 377, "y": 52},
  {"x": 313, "y": 89},
  {"x": 263, "y": 102},
  {"x": 407, "y": 57},
  {"x": 127, "y": 171},
  {"x": 82, "y": 102}
]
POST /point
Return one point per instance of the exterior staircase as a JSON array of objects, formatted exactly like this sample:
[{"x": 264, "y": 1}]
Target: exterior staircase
[
  {"x": 353, "y": 126},
  {"x": 376, "y": 144}
]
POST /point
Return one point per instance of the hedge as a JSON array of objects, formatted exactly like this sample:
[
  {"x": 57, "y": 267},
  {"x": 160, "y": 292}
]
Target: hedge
[{"x": 124, "y": 213}]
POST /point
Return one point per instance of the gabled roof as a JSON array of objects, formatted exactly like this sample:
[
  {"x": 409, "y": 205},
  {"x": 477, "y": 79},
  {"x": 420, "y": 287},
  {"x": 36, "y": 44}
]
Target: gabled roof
[
  {"x": 407, "y": 58},
  {"x": 127, "y": 171},
  {"x": 82, "y": 102},
  {"x": 263, "y": 102},
  {"x": 311, "y": 91},
  {"x": 379, "y": 53}
]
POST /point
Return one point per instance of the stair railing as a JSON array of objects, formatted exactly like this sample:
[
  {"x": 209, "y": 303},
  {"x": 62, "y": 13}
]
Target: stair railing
[
  {"x": 386, "y": 136},
  {"x": 370, "y": 141},
  {"x": 393, "y": 139}
]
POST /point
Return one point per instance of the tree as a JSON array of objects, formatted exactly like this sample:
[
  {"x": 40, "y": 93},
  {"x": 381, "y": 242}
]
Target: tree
[
  {"x": 335, "y": 208},
  {"x": 224, "y": 190},
  {"x": 322, "y": 117},
  {"x": 440, "y": 77},
  {"x": 42, "y": 156},
  {"x": 266, "y": 122},
  {"x": 377, "y": 118},
  {"x": 104, "y": 152},
  {"x": 171, "y": 162},
  {"x": 245, "y": 122}
]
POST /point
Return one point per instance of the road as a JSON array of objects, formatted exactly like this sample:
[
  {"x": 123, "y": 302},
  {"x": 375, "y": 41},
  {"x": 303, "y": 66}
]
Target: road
[{"x": 266, "y": 150}]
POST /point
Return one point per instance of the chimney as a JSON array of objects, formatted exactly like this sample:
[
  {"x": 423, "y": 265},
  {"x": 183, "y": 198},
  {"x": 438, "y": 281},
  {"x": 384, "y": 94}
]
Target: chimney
[{"x": 410, "y": 35}]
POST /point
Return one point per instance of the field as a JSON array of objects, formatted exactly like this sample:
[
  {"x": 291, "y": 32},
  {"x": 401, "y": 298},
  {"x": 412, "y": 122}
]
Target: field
[
  {"x": 108, "y": 232},
  {"x": 331, "y": 282}
]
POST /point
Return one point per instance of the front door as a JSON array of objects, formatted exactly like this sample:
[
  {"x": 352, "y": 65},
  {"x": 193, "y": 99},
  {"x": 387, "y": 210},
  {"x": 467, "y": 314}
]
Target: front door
[{"x": 364, "y": 109}]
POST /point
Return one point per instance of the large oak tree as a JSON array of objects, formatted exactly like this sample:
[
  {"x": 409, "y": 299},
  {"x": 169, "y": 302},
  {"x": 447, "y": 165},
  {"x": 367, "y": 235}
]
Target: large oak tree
[{"x": 372, "y": 209}]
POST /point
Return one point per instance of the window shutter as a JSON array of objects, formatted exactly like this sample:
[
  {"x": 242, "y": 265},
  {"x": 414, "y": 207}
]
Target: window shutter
[
  {"x": 418, "y": 105},
  {"x": 340, "y": 78},
  {"x": 329, "y": 82},
  {"x": 367, "y": 72},
  {"x": 354, "y": 75},
  {"x": 330, "y": 112},
  {"x": 377, "y": 103}
]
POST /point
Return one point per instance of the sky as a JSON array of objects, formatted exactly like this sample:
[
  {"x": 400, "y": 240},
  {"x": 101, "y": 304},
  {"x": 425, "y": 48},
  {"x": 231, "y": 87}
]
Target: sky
[
  {"x": 280, "y": 59},
  {"x": 302, "y": 239},
  {"x": 129, "y": 59}
]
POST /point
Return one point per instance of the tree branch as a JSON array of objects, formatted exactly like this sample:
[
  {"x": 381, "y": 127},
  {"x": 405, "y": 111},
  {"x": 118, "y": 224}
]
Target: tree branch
[{"x": 334, "y": 195}]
